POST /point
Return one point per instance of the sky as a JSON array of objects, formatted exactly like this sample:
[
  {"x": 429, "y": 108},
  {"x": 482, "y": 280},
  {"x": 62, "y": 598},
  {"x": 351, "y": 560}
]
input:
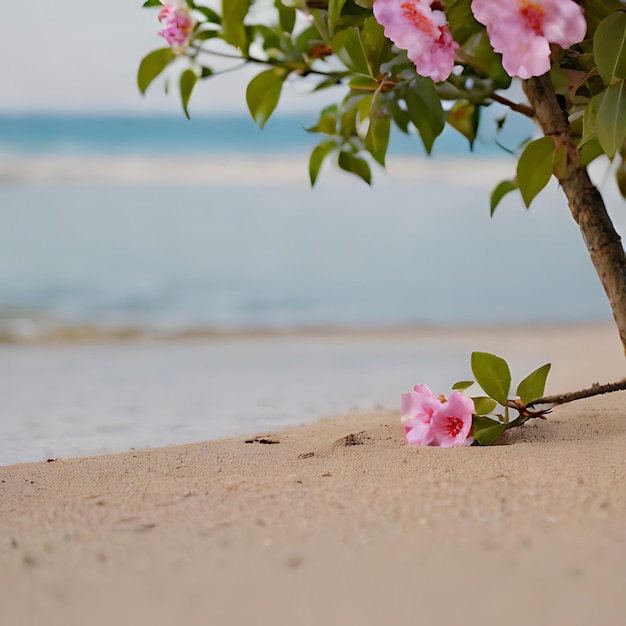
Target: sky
[{"x": 82, "y": 57}]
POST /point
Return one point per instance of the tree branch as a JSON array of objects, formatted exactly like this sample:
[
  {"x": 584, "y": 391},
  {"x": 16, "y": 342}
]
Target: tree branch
[
  {"x": 301, "y": 68},
  {"x": 514, "y": 106},
  {"x": 595, "y": 390},
  {"x": 585, "y": 202}
]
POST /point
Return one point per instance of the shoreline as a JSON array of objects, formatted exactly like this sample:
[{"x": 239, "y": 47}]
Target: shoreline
[
  {"x": 61, "y": 334},
  {"x": 338, "y": 521},
  {"x": 84, "y": 397},
  {"x": 225, "y": 169}
]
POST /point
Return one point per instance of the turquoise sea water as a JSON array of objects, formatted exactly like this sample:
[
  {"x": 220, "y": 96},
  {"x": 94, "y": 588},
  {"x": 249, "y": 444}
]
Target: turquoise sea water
[
  {"x": 160, "y": 135},
  {"x": 169, "y": 225}
]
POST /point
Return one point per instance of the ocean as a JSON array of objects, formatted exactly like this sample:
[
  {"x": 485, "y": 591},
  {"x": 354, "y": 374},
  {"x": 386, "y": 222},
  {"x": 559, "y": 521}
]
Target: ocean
[
  {"x": 208, "y": 231},
  {"x": 165, "y": 225}
]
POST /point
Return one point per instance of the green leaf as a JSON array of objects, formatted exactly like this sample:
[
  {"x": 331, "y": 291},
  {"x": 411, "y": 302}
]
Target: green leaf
[
  {"x": 464, "y": 117},
  {"x": 209, "y": 14},
  {"x": 355, "y": 165},
  {"x": 398, "y": 114},
  {"x": 286, "y": 16},
  {"x": 620, "y": 174},
  {"x": 590, "y": 115},
  {"x": 318, "y": 155},
  {"x": 363, "y": 83},
  {"x": 234, "y": 30},
  {"x": 334, "y": 11},
  {"x": 597, "y": 10},
  {"x": 484, "y": 59},
  {"x": 152, "y": 65},
  {"x": 534, "y": 168},
  {"x": 205, "y": 35},
  {"x": 461, "y": 20},
  {"x": 620, "y": 177},
  {"x": 611, "y": 119},
  {"x": 462, "y": 385},
  {"x": 609, "y": 47},
  {"x": 504, "y": 187},
  {"x": 326, "y": 83},
  {"x": 590, "y": 151},
  {"x": 346, "y": 44},
  {"x": 485, "y": 430},
  {"x": 533, "y": 386},
  {"x": 492, "y": 374},
  {"x": 188, "y": 80},
  {"x": 365, "y": 105},
  {"x": 376, "y": 47},
  {"x": 327, "y": 122},
  {"x": 377, "y": 138},
  {"x": 152, "y": 3},
  {"x": 263, "y": 94},
  {"x": 354, "y": 106},
  {"x": 348, "y": 122},
  {"x": 268, "y": 37},
  {"x": 307, "y": 39},
  {"x": 425, "y": 110},
  {"x": 484, "y": 405}
]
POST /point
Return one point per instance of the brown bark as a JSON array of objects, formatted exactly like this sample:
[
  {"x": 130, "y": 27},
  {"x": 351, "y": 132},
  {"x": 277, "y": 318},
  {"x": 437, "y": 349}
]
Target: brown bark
[
  {"x": 585, "y": 202},
  {"x": 595, "y": 390}
]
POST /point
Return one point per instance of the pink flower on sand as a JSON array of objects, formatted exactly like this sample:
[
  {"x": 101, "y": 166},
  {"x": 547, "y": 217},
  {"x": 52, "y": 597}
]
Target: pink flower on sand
[
  {"x": 430, "y": 421},
  {"x": 419, "y": 27},
  {"x": 178, "y": 25},
  {"x": 522, "y": 31}
]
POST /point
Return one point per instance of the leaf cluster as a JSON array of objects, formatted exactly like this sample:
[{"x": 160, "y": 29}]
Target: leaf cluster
[
  {"x": 338, "y": 45},
  {"x": 492, "y": 410}
]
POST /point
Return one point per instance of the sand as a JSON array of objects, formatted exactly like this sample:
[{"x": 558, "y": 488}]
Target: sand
[{"x": 338, "y": 522}]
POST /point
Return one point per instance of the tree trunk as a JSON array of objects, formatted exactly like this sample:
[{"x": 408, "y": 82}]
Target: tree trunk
[{"x": 585, "y": 202}]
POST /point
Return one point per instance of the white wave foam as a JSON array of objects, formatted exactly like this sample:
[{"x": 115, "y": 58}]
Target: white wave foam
[{"x": 239, "y": 169}]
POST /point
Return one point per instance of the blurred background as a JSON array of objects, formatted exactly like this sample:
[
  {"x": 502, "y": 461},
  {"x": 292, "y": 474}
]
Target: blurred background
[{"x": 122, "y": 220}]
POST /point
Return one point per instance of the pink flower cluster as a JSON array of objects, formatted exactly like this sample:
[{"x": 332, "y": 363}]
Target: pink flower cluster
[
  {"x": 431, "y": 421},
  {"x": 520, "y": 30},
  {"x": 419, "y": 27},
  {"x": 178, "y": 25}
]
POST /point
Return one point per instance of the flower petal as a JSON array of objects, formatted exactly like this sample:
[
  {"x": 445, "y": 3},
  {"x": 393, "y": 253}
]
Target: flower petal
[
  {"x": 421, "y": 403},
  {"x": 413, "y": 26},
  {"x": 452, "y": 422},
  {"x": 522, "y": 30},
  {"x": 419, "y": 434}
]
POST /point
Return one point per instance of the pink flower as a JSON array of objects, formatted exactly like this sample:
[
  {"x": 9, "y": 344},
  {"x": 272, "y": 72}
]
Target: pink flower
[
  {"x": 522, "y": 31},
  {"x": 452, "y": 422},
  {"x": 178, "y": 25},
  {"x": 417, "y": 408},
  {"x": 429, "y": 421},
  {"x": 419, "y": 27}
]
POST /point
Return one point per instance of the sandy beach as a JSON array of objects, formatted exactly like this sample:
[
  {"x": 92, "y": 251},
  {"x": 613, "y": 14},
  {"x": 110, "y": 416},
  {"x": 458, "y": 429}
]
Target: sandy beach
[{"x": 338, "y": 522}]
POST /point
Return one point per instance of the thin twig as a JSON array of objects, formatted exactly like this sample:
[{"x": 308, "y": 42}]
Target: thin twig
[
  {"x": 524, "y": 109},
  {"x": 301, "y": 68},
  {"x": 595, "y": 390}
]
